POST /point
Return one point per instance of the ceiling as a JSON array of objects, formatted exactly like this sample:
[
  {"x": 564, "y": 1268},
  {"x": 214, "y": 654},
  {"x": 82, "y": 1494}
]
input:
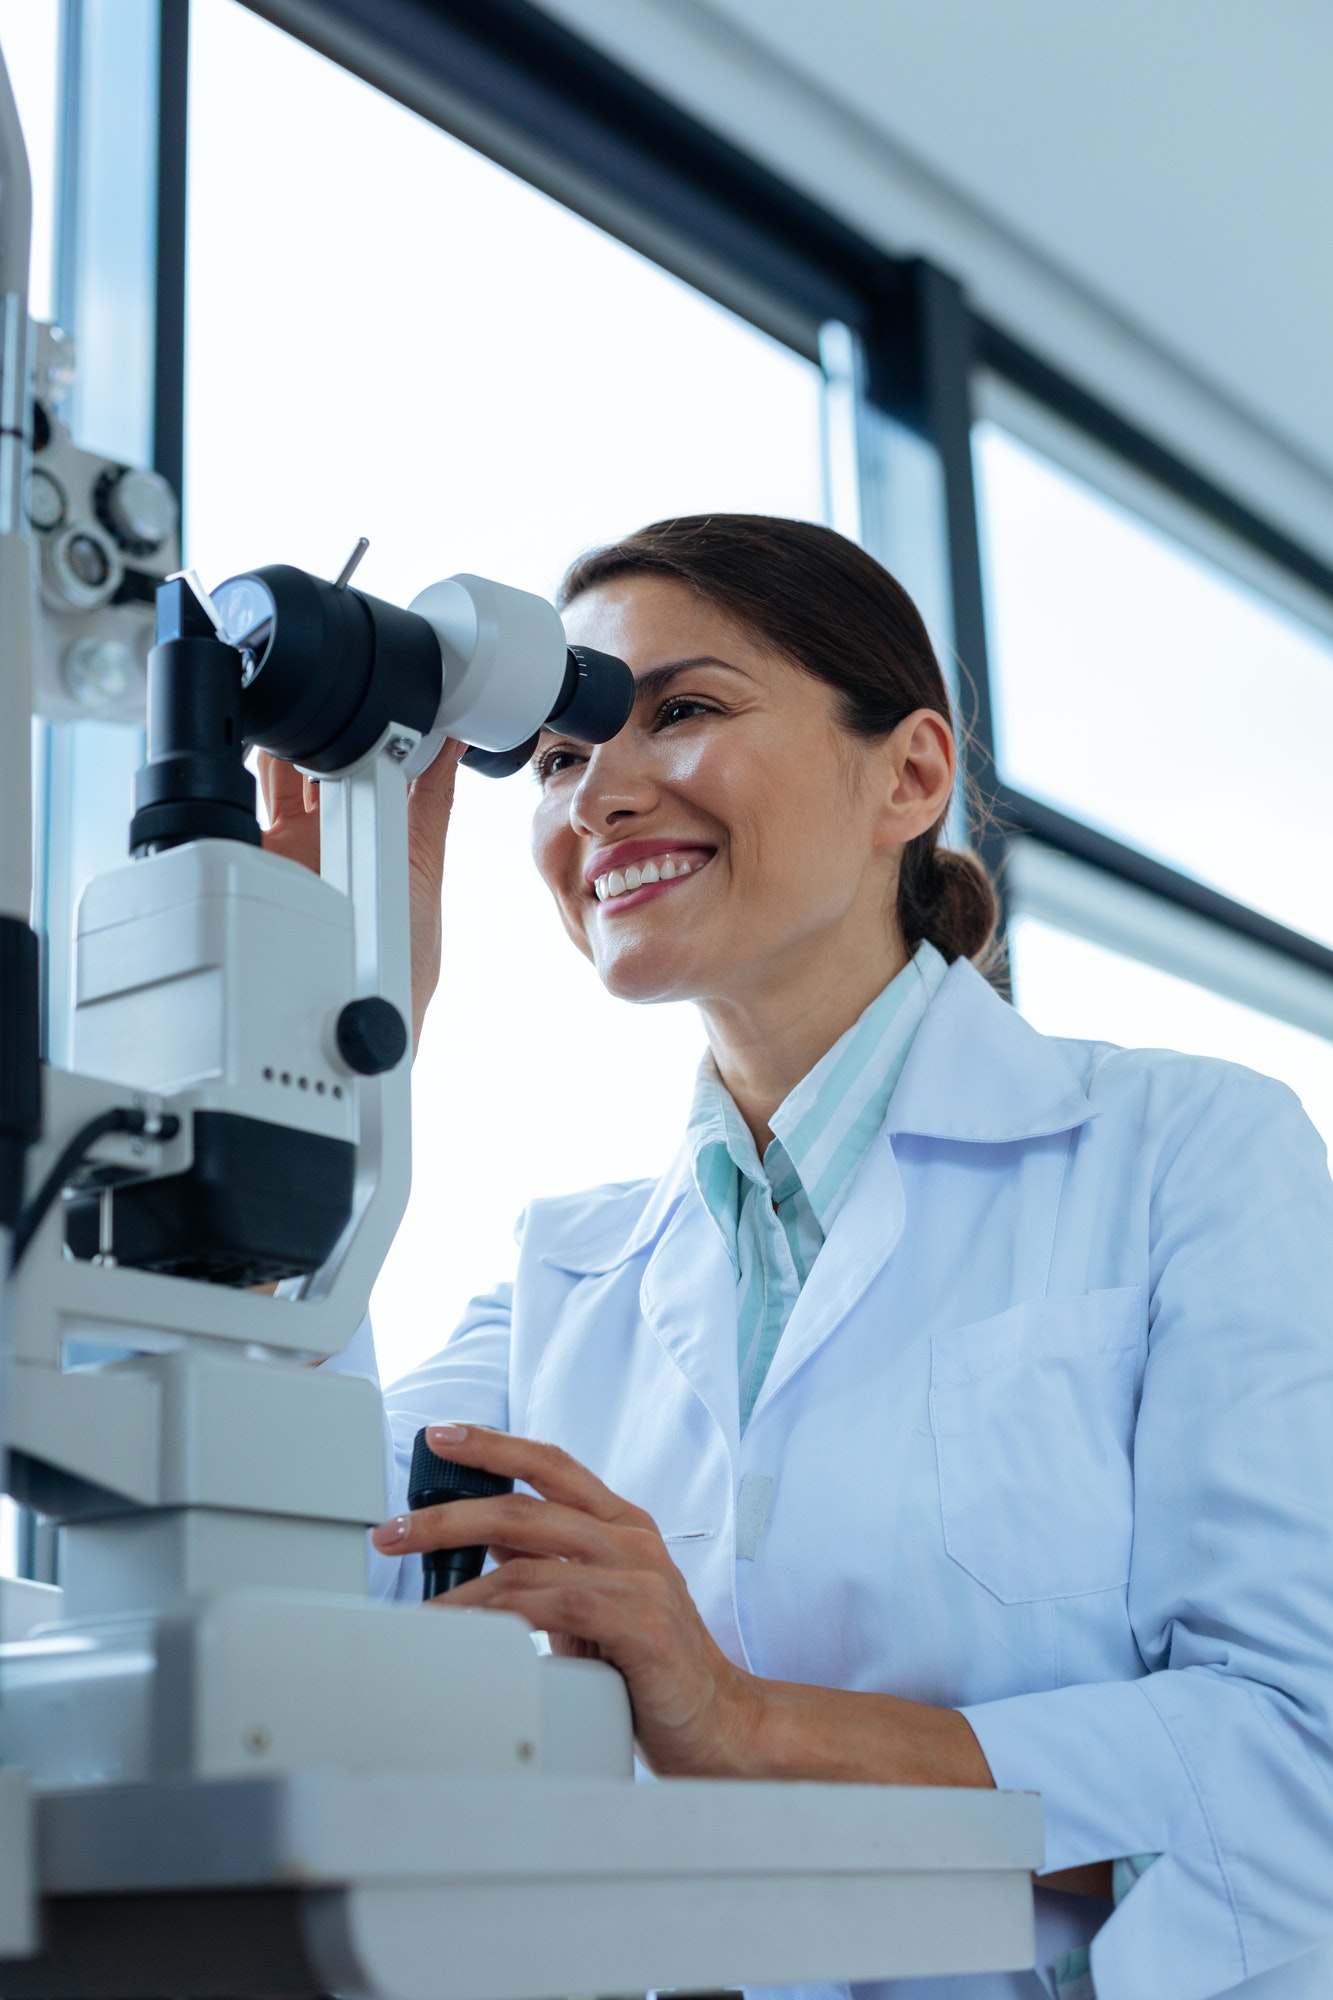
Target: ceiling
[{"x": 1175, "y": 157}]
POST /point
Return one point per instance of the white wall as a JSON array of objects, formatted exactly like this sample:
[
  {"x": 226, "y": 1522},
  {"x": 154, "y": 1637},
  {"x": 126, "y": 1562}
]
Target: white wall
[{"x": 1142, "y": 191}]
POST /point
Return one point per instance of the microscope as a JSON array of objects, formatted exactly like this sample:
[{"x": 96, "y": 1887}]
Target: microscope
[{"x": 223, "y": 1769}]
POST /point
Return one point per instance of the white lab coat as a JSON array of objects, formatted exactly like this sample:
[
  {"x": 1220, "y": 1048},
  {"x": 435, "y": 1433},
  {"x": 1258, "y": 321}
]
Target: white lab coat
[{"x": 1050, "y": 1436}]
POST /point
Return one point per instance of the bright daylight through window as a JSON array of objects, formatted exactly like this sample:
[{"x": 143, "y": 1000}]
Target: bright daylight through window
[
  {"x": 390, "y": 336},
  {"x": 1068, "y": 985},
  {"x": 1096, "y": 619}
]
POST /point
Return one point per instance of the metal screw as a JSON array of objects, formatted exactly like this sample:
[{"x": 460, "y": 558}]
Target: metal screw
[{"x": 401, "y": 748}]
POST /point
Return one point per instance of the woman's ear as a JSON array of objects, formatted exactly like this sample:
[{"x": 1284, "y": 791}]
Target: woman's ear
[{"x": 920, "y": 759}]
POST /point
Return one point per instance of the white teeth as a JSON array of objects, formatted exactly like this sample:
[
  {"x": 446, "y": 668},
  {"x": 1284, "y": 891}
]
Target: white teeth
[{"x": 642, "y": 875}]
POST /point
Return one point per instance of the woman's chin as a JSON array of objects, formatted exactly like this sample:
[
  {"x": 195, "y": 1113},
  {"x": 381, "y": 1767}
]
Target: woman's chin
[{"x": 643, "y": 976}]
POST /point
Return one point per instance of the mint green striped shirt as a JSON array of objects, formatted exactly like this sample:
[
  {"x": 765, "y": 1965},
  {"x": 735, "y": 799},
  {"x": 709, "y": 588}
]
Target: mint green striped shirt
[{"x": 773, "y": 1215}]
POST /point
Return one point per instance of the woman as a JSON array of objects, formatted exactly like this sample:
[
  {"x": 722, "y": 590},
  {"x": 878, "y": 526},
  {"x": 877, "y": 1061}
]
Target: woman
[{"x": 957, "y": 1409}]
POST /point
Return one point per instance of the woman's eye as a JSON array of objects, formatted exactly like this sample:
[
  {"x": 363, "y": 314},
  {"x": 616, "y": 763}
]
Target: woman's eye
[
  {"x": 680, "y": 709},
  {"x": 551, "y": 763}
]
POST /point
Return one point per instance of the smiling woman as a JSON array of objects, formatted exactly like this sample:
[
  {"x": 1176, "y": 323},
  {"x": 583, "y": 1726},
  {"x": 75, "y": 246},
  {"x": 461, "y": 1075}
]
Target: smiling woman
[
  {"x": 763, "y": 708},
  {"x": 906, "y": 1430}
]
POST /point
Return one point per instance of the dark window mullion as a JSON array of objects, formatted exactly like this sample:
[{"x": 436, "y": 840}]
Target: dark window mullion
[
  {"x": 169, "y": 314},
  {"x": 1024, "y": 815}
]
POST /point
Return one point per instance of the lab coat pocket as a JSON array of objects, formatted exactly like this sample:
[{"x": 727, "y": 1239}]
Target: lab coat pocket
[{"x": 1033, "y": 1416}]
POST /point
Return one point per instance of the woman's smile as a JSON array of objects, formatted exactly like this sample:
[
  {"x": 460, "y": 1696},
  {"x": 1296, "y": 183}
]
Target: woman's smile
[{"x": 631, "y": 874}]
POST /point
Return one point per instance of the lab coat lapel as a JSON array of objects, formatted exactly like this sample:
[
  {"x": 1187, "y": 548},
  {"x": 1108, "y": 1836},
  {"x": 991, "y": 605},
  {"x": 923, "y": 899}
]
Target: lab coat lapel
[
  {"x": 865, "y": 1233},
  {"x": 688, "y": 1298},
  {"x": 977, "y": 1074}
]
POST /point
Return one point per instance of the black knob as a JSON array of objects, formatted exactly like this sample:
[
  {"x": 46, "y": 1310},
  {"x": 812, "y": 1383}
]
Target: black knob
[
  {"x": 431, "y": 1482},
  {"x": 372, "y": 1035},
  {"x": 194, "y": 785}
]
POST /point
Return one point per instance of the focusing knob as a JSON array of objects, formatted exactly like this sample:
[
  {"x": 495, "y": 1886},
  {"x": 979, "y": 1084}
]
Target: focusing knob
[
  {"x": 138, "y": 507},
  {"x": 433, "y": 1480},
  {"x": 371, "y": 1035}
]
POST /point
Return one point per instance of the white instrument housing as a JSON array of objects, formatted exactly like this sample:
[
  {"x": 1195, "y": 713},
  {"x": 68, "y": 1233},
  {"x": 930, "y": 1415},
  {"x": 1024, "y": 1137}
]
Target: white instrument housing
[{"x": 503, "y": 652}]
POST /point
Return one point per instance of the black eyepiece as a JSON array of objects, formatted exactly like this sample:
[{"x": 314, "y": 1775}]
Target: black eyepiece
[
  {"x": 596, "y": 698},
  {"x": 593, "y": 705}
]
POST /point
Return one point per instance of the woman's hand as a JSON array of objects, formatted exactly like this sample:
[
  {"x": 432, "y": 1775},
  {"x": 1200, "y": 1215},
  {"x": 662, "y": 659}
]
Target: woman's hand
[
  {"x": 591, "y": 1570},
  {"x": 292, "y": 803}
]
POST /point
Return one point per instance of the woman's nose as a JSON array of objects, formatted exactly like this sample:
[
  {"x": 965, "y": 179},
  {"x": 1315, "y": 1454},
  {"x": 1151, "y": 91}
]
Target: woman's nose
[{"x": 615, "y": 783}]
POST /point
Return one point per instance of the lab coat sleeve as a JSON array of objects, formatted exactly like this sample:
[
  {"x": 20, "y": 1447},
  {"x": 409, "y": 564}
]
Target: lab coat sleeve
[{"x": 1221, "y": 1757}]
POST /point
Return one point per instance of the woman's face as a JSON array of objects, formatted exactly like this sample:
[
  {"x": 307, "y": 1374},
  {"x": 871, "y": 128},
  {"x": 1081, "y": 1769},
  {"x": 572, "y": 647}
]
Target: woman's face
[{"x": 733, "y": 831}]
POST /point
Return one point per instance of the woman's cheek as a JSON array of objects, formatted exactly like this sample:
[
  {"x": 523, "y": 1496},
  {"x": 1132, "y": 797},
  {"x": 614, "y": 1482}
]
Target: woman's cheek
[{"x": 547, "y": 828}]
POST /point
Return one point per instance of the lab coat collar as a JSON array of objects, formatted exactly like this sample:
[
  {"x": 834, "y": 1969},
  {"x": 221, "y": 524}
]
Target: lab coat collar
[
  {"x": 978, "y": 1073},
  {"x": 623, "y": 1224}
]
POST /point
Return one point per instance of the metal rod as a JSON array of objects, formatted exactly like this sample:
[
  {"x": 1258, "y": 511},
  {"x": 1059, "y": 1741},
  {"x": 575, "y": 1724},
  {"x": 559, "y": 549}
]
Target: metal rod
[{"x": 350, "y": 567}]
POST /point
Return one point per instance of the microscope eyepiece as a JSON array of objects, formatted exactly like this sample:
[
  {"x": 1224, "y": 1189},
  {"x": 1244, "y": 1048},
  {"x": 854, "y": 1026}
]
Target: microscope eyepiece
[
  {"x": 596, "y": 698},
  {"x": 593, "y": 705}
]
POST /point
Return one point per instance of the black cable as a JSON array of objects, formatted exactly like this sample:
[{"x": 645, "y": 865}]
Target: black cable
[{"x": 122, "y": 1119}]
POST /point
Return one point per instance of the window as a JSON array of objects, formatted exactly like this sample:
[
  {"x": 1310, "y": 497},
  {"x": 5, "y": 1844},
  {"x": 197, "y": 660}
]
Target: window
[
  {"x": 388, "y": 335},
  {"x": 30, "y": 38},
  {"x": 1143, "y": 687}
]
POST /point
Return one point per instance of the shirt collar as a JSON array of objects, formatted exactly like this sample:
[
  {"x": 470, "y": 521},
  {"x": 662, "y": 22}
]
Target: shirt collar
[{"x": 824, "y": 1126}]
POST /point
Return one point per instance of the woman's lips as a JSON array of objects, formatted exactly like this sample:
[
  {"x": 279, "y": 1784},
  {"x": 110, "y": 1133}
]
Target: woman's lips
[{"x": 638, "y": 882}]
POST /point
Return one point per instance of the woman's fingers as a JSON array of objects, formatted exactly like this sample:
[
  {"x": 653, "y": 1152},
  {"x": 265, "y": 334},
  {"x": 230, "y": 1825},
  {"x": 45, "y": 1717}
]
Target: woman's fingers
[
  {"x": 605, "y": 1610},
  {"x": 430, "y": 800},
  {"x": 291, "y": 802},
  {"x": 548, "y": 1470},
  {"x": 519, "y": 1525},
  {"x": 585, "y": 1566}
]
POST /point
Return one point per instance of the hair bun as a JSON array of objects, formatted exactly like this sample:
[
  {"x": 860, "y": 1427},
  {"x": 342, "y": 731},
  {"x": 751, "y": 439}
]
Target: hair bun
[{"x": 954, "y": 903}]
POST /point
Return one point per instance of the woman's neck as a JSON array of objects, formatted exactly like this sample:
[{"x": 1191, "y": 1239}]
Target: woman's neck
[{"x": 765, "y": 1041}]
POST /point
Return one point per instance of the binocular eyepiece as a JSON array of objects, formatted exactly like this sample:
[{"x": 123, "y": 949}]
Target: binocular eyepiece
[{"x": 326, "y": 669}]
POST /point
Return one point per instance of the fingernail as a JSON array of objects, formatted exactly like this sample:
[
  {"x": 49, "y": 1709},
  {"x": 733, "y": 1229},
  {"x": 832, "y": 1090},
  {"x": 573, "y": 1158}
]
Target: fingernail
[
  {"x": 390, "y": 1532},
  {"x": 446, "y": 1434}
]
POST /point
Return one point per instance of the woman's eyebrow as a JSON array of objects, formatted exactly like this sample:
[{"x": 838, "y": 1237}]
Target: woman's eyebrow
[{"x": 658, "y": 679}]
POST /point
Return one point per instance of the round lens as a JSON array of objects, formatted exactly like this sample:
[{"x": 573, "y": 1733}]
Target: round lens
[
  {"x": 87, "y": 559},
  {"x": 246, "y": 608}
]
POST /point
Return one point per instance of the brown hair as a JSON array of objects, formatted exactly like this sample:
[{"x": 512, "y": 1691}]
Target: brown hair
[{"x": 835, "y": 612}]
